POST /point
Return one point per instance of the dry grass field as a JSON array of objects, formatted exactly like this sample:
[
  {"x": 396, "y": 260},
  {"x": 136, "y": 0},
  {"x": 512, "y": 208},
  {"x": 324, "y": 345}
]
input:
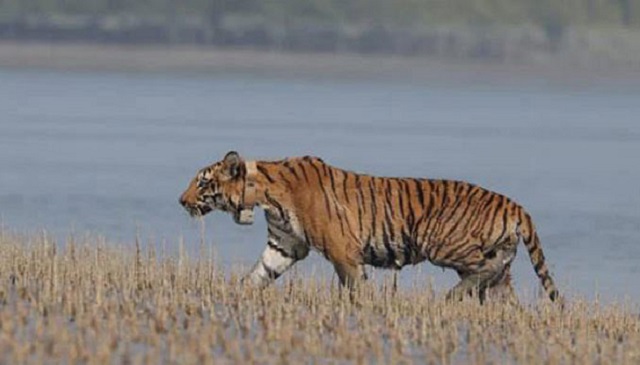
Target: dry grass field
[{"x": 94, "y": 302}]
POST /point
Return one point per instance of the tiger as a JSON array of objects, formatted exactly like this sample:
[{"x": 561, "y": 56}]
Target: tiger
[{"x": 356, "y": 220}]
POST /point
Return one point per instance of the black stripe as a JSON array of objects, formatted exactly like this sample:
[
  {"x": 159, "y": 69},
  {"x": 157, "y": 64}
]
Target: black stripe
[
  {"x": 360, "y": 204},
  {"x": 477, "y": 208},
  {"x": 539, "y": 265},
  {"x": 340, "y": 217},
  {"x": 339, "y": 210},
  {"x": 388, "y": 218},
  {"x": 304, "y": 172},
  {"x": 460, "y": 251},
  {"x": 433, "y": 195},
  {"x": 411, "y": 219},
  {"x": 387, "y": 245},
  {"x": 341, "y": 220},
  {"x": 469, "y": 200},
  {"x": 400, "y": 199},
  {"x": 390, "y": 221},
  {"x": 282, "y": 225},
  {"x": 529, "y": 224},
  {"x": 371, "y": 256},
  {"x": 264, "y": 172},
  {"x": 324, "y": 169},
  {"x": 405, "y": 185},
  {"x": 419, "y": 192},
  {"x": 388, "y": 196},
  {"x": 233, "y": 204},
  {"x": 505, "y": 222},
  {"x": 494, "y": 215},
  {"x": 373, "y": 205},
  {"x": 449, "y": 203},
  {"x": 534, "y": 249},
  {"x": 433, "y": 251},
  {"x": 291, "y": 169},
  {"x": 280, "y": 250},
  {"x": 433, "y": 221},
  {"x": 458, "y": 199},
  {"x": 287, "y": 182},
  {"x": 324, "y": 192},
  {"x": 480, "y": 212},
  {"x": 426, "y": 223},
  {"x": 445, "y": 193},
  {"x": 333, "y": 182},
  {"x": 271, "y": 272},
  {"x": 275, "y": 204},
  {"x": 345, "y": 176},
  {"x": 445, "y": 200},
  {"x": 408, "y": 248},
  {"x": 306, "y": 237}
]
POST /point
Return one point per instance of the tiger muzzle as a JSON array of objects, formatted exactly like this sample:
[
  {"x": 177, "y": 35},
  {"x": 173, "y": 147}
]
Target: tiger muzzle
[{"x": 244, "y": 216}]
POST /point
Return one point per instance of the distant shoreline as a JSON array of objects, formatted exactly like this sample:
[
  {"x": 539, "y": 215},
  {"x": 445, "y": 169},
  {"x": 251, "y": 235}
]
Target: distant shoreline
[{"x": 209, "y": 60}]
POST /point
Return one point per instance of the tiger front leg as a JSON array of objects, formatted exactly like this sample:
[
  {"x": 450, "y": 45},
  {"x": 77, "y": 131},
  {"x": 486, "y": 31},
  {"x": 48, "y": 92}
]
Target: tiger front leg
[
  {"x": 347, "y": 261},
  {"x": 350, "y": 277},
  {"x": 277, "y": 257}
]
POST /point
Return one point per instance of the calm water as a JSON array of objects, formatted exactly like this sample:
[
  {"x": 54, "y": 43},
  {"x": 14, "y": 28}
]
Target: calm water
[{"x": 110, "y": 153}]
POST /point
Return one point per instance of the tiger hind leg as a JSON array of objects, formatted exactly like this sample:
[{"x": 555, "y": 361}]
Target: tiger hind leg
[
  {"x": 501, "y": 288},
  {"x": 470, "y": 284},
  {"x": 491, "y": 271}
]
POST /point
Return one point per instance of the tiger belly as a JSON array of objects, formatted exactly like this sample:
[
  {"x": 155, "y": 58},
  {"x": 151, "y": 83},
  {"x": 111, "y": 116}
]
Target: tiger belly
[{"x": 391, "y": 255}]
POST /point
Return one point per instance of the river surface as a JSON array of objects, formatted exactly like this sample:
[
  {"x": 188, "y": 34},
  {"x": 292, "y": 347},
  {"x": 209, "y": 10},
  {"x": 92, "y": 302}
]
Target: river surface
[{"x": 109, "y": 154}]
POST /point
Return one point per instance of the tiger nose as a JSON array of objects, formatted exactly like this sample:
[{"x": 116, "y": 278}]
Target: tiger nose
[{"x": 182, "y": 200}]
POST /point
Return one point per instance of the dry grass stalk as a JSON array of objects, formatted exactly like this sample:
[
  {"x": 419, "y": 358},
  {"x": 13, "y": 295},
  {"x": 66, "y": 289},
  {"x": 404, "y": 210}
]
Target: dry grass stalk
[{"x": 96, "y": 303}]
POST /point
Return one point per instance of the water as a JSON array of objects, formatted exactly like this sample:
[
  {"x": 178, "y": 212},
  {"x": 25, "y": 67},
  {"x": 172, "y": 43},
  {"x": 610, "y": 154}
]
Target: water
[{"x": 110, "y": 153}]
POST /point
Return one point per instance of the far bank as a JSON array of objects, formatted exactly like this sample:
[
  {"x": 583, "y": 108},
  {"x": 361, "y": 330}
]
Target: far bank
[{"x": 344, "y": 66}]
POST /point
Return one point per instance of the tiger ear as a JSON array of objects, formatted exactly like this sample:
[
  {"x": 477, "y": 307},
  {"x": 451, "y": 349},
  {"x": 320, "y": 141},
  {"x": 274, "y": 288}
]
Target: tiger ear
[{"x": 232, "y": 164}]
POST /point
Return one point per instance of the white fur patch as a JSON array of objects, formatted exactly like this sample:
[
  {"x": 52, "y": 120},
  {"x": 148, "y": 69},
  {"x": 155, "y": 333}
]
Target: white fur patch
[
  {"x": 271, "y": 261},
  {"x": 275, "y": 261}
]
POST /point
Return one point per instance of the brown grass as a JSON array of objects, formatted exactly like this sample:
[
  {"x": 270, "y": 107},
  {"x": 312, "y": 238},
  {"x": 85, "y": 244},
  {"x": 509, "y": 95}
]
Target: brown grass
[{"x": 97, "y": 303}]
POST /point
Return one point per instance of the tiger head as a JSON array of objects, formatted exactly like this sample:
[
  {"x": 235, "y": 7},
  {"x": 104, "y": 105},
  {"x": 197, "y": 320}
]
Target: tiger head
[{"x": 220, "y": 186}]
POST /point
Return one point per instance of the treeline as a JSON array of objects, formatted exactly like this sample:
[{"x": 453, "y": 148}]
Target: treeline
[
  {"x": 342, "y": 12},
  {"x": 476, "y": 28}
]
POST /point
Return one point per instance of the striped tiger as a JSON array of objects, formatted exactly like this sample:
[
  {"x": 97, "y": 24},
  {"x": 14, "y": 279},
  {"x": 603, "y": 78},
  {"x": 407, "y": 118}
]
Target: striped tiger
[{"x": 356, "y": 220}]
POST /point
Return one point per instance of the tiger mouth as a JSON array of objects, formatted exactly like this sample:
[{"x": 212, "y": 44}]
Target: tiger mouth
[{"x": 198, "y": 210}]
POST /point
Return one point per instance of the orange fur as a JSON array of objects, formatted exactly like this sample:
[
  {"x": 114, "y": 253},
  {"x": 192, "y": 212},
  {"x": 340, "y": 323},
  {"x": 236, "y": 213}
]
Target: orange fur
[{"x": 355, "y": 219}]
